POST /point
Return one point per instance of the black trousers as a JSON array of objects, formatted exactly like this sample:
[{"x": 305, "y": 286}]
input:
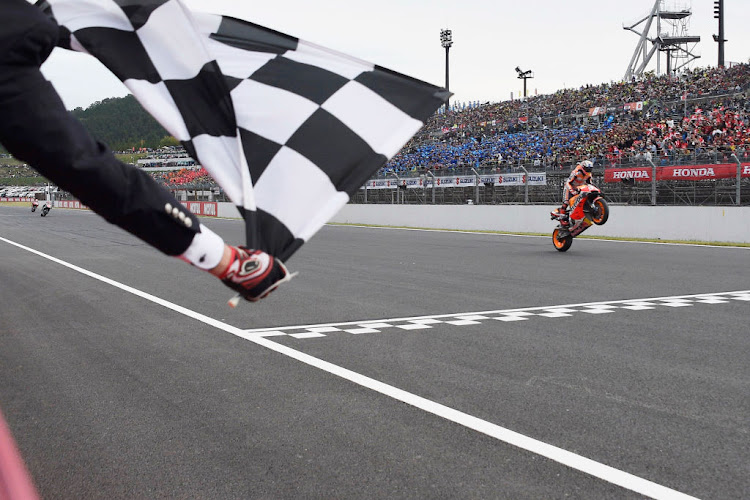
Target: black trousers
[{"x": 36, "y": 128}]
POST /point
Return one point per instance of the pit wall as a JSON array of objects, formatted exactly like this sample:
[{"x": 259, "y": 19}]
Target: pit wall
[{"x": 713, "y": 224}]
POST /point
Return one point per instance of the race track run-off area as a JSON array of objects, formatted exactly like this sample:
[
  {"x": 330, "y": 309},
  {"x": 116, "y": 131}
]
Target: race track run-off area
[{"x": 398, "y": 364}]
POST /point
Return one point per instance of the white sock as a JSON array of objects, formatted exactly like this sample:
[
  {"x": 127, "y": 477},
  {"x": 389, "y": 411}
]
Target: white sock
[{"x": 206, "y": 249}]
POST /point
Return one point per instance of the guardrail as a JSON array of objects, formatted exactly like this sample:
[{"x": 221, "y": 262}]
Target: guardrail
[
  {"x": 702, "y": 184},
  {"x": 621, "y": 183}
]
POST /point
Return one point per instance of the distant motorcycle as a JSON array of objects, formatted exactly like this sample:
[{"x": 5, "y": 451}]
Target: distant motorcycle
[
  {"x": 587, "y": 207},
  {"x": 46, "y": 208},
  {"x": 34, "y": 204}
]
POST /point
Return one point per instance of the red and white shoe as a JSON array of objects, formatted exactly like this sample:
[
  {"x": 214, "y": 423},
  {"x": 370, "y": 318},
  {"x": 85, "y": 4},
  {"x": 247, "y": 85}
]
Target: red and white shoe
[{"x": 253, "y": 274}]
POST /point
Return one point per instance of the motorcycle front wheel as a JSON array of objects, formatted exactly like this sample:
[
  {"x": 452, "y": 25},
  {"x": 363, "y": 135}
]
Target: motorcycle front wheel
[
  {"x": 561, "y": 244},
  {"x": 601, "y": 211}
]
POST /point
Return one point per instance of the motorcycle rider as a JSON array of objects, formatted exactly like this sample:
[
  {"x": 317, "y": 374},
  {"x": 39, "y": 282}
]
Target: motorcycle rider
[
  {"x": 580, "y": 175},
  {"x": 34, "y": 204}
]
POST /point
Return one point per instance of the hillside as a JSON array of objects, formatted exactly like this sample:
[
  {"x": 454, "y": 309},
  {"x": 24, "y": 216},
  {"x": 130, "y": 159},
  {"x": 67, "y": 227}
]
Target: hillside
[{"x": 122, "y": 123}]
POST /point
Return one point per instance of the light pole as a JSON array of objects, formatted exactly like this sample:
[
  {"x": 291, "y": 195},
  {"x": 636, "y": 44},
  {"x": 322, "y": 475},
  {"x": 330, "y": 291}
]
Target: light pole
[
  {"x": 446, "y": 40},
  {"x": 524, "y": 75},
  {"x": 398, "y": 186},
  {"x": 719, "y": 14}
]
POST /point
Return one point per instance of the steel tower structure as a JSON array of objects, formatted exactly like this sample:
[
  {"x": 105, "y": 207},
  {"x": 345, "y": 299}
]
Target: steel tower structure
[{"x": 671, "y": 38}]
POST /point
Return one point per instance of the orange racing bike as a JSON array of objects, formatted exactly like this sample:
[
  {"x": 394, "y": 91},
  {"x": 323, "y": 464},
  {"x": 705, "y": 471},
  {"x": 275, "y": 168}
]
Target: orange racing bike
[{"x": 587, "y": 207}]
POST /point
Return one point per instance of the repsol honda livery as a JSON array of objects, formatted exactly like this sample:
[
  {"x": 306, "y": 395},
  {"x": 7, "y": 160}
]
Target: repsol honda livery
[{"x": 587, "y": 207}]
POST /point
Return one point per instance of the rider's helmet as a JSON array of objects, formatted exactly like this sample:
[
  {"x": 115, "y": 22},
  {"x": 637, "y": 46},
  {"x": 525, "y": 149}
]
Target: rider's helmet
[{"x": 588, "y": 166}]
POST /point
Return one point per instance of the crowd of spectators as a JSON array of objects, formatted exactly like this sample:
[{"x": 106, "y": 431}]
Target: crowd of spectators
[
  {"x": 184, "y": 177},
  {"x": 698, "y": 83},
  {"x": 704, "y": 134},
  {"x": 701, "y": 111},
  {"x": 695, "y": 115},
  {"x": 699, "y": 114}
]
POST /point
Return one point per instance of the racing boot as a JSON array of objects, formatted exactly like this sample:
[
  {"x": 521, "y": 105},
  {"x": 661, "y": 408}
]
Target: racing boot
[
  {"x": 565, "y": 221},
  {"x": 564, "y": 217}
]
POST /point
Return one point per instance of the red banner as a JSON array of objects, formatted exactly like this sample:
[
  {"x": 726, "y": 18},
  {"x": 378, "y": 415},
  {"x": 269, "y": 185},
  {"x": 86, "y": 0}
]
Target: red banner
[
  {"x": 700, "y": 172},
  {"x": 71, "y": 204},
  {"x": 618, "y": 174},
  {"x": 677, "y": 173},
  {"x": 206, "y": 208}
]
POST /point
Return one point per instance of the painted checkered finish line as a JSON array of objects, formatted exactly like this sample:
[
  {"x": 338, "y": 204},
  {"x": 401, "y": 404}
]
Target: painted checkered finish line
[
  {"x": 289, "y": 129},
  {"x": 506, "y": 315}
]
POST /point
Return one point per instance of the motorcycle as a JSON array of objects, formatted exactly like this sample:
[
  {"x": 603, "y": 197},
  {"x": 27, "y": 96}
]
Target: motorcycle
[
  {"x": 587, "y": 207},
  {"x": 46, "y": 208},
  {"x": 34, "y": 204}
]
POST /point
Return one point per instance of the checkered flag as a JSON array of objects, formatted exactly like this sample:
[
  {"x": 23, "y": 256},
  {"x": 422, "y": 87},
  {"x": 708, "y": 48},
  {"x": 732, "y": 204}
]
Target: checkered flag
[{"x": 290, "y": 130}]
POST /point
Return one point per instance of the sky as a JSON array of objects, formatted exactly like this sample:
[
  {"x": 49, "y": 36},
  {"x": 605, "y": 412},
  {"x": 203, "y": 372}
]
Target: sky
[{"x": 566, "y": 44}]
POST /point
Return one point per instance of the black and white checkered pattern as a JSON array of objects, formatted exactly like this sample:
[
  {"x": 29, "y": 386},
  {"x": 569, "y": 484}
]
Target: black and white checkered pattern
[
  {"x": 504, "y": 316},
  {"x": 289, "y": 129}
]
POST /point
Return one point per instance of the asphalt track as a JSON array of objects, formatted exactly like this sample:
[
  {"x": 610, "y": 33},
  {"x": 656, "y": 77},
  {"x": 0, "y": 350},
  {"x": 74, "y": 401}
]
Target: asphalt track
[{"x": 399, "y": 364}]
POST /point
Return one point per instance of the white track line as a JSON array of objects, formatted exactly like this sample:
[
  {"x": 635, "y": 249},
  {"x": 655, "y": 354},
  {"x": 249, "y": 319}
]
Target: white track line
[{"x": 583, "y": 464}]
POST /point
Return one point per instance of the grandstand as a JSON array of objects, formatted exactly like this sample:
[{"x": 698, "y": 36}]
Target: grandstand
[
  {"x": 701, "y": 117},
  {"x": 558, "y": 129}
]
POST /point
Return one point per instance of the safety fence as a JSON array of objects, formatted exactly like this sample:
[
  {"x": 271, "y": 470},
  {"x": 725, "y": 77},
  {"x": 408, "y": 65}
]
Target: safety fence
[
  {"x": 703, "y": 184},
  {"x": 707, "y": 183}
]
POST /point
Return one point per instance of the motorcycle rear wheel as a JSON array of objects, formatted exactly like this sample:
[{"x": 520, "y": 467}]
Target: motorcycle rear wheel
[
  {"x": 561, "y": 244},
  {"x": 601, "y": 211}
]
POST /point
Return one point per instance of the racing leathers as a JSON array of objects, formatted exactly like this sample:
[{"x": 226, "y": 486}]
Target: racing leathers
[{"x": 578, "y": 177}]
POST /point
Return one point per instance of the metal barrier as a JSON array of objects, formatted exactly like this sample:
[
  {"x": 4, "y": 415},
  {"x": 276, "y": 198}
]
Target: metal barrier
[{"x": 723, "y": 191}]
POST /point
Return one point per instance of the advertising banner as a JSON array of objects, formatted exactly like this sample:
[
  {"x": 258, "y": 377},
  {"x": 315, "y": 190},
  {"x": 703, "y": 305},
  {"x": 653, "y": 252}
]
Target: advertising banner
[
  {"x": 633, "y": 106},
  {"x": 205, "y": 208},
  {"x": 619, "y": 174},
  {"x": 700, "y": 172},
  {"x": 382, "y": 184},
  {"x": 15, "y": 199},
  {"x": 71, "y": 204},
  {"x": 535, "y": 179},
  {"x": 677, "y": 173}
]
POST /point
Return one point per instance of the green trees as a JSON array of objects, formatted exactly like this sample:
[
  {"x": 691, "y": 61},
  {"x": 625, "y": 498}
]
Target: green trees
[
  {"x": 121, "y": 123},
  {"x": 168, "y": 141}
]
